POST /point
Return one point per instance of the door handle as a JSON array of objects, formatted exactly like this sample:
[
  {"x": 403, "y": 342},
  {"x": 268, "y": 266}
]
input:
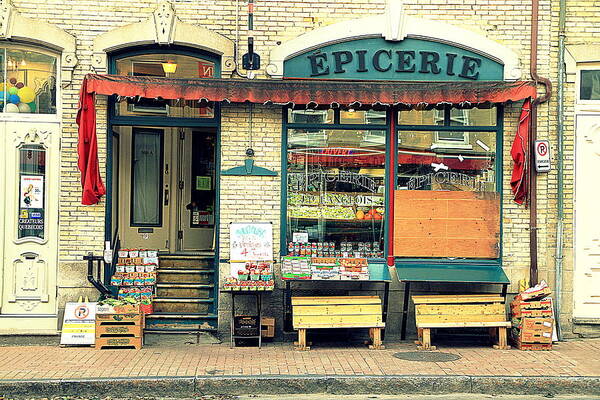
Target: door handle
[{"x": 166, "y": 197}]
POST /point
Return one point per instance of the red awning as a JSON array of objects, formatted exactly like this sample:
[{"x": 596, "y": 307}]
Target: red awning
[
  {"x": 271, "y": 91},
  {"x": 308, "y": 91}
]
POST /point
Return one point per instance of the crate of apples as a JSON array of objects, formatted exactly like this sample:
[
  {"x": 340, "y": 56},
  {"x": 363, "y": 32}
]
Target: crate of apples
[{"x": 373, "y": 213}]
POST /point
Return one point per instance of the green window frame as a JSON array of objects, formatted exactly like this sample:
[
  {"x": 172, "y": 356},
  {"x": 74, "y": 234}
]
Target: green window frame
[{"x": 391, "y": 170}]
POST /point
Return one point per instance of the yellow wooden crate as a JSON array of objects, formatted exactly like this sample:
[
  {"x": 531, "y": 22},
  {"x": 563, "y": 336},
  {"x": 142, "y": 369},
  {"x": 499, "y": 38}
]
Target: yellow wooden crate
[
  {"x": 458, "y": 309},
  {"x": 337, "y": 312}
]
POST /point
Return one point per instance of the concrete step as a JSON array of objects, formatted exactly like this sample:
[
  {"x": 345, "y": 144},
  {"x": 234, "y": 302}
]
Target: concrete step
[
  {"x": 183, "y": 305},
  {"x": 185, "y": 290},
  {"x": 170, "y": 275},
  {"x": 189, "y": 262}
]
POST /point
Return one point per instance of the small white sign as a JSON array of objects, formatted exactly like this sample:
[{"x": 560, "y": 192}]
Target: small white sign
[
  {"x": 79, "y": 324},
  {"x": 542, "y": 156},
  {"x": 32, "y": 191},
  {"x": 300, "y": 237}
]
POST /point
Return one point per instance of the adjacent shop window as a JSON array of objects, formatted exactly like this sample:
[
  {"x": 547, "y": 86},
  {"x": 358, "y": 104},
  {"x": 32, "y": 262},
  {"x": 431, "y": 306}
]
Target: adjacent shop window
[
  {"x": 589, "y": 84},
  {"x": 165, "y": 65},
  {"x": 447, "y": 201},
  {"x": 336, "y": 183},
  {"x": 146, "y": 185},
  {"x": 32, "y": 173},
  {"x": 28, "y": 81}
]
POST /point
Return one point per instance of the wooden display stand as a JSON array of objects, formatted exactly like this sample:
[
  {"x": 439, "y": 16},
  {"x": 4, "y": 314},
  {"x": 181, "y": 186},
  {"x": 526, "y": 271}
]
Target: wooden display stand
[
  {"x": 338, "y": 312},
  {"x": 120, "y": 330},
  {"x": 460, "y": 311}
]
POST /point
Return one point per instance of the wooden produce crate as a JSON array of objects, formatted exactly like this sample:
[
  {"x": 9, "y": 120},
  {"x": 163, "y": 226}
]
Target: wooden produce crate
[
  {"x": 267, "y": 327},
  {"x": 533, "y": 331},
  {"x": 338, "y": 312},
  {"x": 119, "y": 331},
  {"x": 539, "y": 308},
  {"x": 533, "y": 346}
]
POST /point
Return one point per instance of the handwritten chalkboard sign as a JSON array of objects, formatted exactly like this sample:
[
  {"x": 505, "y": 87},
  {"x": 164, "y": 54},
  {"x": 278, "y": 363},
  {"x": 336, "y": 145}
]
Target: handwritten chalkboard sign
[{"x": 251, "y": 241}]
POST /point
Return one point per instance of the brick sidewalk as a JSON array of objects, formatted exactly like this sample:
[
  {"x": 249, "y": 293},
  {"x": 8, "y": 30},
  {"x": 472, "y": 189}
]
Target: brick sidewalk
[{"x": 574, "y": 358}]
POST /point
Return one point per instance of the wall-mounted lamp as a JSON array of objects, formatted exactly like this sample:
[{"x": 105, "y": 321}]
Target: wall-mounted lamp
[{"x": 169, "y": 67}]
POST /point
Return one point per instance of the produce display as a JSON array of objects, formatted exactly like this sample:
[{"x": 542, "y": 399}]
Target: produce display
[
  {"x": 256, "y": 275},
  {"x": 335, "y": 205},
  {"x": 135, "y": 275},
  {"x": 330, "y": 249},
  {"x": 324, "y": 268},
  {"x": 295, "y": 268}
]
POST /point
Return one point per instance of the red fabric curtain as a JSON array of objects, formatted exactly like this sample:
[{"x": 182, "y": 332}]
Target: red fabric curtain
[
  {"x": 518, "y": 182},
  {"x": 87, "y": 148}
]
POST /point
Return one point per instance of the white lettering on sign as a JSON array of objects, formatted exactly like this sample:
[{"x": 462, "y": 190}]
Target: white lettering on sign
[
  {"x": 454, "y": 178},
  {"x": 542, "y": 155}
]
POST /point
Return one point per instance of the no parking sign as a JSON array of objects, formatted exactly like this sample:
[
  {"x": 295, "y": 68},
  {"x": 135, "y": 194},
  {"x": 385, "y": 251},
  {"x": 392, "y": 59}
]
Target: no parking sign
[{"x": 542, "y": 155}]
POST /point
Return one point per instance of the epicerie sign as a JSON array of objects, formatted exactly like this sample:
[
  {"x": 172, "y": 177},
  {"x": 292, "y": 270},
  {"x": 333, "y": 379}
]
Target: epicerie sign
[{"x": 542, "y": 155}]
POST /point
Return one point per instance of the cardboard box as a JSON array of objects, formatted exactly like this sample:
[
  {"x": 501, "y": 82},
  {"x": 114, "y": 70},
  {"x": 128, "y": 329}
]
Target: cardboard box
[{"x": 267, "y": 327}]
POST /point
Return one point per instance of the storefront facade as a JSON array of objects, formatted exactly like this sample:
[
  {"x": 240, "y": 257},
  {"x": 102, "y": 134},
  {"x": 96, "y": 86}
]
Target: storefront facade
[{"x": 343, "y": 172}]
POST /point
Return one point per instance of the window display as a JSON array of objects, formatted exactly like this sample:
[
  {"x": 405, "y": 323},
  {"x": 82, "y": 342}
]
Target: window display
[
  {"x": 335, "y": 185},
  {"x": 165, "y": 65},
  {"x": 28, "y": 81},
  {"x": 32, "y": 174}
]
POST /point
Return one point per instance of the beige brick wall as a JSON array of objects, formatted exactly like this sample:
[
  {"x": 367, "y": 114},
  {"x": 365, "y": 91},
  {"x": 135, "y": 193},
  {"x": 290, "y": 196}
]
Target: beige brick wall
[{"x": 257, "y": 198}]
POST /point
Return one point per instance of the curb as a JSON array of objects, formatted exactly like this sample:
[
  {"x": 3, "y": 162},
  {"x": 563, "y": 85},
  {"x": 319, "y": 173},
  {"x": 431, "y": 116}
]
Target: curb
[{"x": 265, "y": 384}]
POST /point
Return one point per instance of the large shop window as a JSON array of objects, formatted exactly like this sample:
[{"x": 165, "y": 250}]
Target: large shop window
[
  {"x": 176, "y": 66},
  {"x": 32, "y": 174},
  {"x": 336, "y": 182},
  {"x": 447, "y": 199},
  {"x": 28, "y": 81}
]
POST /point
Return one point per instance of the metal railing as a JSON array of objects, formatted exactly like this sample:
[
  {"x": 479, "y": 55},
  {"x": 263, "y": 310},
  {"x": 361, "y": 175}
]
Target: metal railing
[{"x": 95, "y": 277}]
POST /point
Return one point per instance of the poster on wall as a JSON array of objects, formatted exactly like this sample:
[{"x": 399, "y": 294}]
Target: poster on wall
[
  {"x": 250, "y": 241},
  {"x": 79, "y": 324}
]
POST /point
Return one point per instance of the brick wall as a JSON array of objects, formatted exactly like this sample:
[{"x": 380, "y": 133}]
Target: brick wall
[{"x": 257, "y": 198}]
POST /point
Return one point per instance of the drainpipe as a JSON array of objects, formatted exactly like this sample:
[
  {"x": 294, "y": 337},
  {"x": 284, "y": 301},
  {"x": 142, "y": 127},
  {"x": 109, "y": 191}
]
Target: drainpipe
[
  {"x": 533, "y": 267},
  {"x": 560, "y": 128}
]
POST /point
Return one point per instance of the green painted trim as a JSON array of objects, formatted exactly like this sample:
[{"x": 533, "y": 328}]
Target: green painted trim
[
  {"x": 217, "y": 220},
  {"x": 371, "y": 127},
  {"x": 167, "y": 121},
  {"x": 248, "y": 169},
  {"x": 499, "y": 129},
  {"x": 389, "y": 174},
  {"x": 284, "y": 166}
]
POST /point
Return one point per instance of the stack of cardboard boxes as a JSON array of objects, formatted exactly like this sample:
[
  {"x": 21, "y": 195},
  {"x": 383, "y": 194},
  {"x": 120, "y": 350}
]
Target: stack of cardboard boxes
[{"x": 532, "y": 322}]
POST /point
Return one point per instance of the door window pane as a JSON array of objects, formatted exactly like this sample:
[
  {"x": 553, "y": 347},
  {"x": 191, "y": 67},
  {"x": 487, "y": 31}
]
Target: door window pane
[
  {"x": 165, "y": 65},
  {"x": 28, "y": 82},
  {"x": 590, "y": 85},
  {"x": 336, "y": 189},
  {"x": 202, "y": 188},
  {"x": 146, "y": 190},
  {"x": 32, "y": 172}
]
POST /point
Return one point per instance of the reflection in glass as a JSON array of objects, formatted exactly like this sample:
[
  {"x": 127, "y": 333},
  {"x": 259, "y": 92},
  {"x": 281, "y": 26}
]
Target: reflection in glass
[
  {"x": 424, "y": 166},
  {"x": 146, "y": 187},
  {"x": 159, "y": 65},
  {"x": 336, "y": 188},
  {"x": 590, "y": 85},
  {"x": 368, "y": 117}
]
